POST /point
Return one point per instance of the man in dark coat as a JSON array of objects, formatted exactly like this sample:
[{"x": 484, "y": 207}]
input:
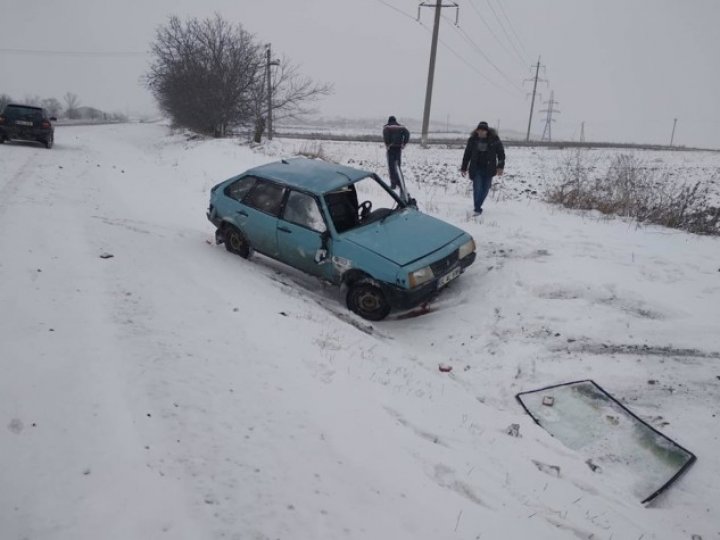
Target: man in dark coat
[
  {"x": 396, "y": 137},
  {"x": 485, "y": 155}
]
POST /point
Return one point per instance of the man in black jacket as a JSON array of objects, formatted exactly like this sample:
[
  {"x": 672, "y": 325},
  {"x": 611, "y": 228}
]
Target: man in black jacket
[
  {"x": 485, "y": 155},
  {"x": 396, "y": 137}
]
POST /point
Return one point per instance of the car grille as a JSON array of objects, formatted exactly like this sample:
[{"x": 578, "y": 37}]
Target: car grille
[{"x": 443, "y": 265}]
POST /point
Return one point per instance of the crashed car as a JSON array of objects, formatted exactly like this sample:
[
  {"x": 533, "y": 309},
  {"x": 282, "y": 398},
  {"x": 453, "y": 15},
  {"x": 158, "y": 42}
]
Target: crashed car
[
  {"x": 343, "y": 225},
  {"x": 26, "y": 123}
]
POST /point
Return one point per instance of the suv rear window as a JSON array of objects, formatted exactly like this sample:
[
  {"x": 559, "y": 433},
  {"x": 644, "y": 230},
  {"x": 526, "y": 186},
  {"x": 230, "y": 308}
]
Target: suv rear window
[{"x": 15, "y": 112}]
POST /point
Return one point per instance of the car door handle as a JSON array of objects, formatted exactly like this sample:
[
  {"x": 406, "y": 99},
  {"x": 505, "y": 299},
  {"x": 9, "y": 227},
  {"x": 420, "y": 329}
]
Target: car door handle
[
  {"x": 284, "y": 229},
  {"x": 241, "y": 212}
]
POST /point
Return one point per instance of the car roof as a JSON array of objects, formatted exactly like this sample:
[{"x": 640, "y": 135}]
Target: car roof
[
  {"x": 23, "y": 106},
  {"x": 313, "y": 175}
]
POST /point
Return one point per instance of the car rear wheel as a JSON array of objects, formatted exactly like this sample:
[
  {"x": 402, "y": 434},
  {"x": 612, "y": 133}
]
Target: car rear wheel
[
  {"x": 49, "y": 142},
  {"x": 235, "y": 241},
  {"x": 368, "y": 301}
]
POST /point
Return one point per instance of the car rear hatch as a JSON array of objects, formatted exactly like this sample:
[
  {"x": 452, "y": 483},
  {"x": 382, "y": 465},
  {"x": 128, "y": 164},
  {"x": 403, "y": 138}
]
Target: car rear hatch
[{"x": 25, "y": 119}]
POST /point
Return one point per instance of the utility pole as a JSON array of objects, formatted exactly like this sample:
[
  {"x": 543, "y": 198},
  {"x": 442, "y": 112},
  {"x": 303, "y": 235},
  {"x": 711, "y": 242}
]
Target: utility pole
[
  {"x": 672, "y": 137},
  {"x": 498, "y": 127},
  {"x": 268, "y": 78},
  {"x": 582, "y": 131},
  {"x": 547, "y": 131},
  {"x": 532, "y": 102},
  {"x": 433, "y": 53}
]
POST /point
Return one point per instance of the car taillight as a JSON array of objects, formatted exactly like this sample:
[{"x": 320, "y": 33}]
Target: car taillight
[{"x": 45, "y": 124}]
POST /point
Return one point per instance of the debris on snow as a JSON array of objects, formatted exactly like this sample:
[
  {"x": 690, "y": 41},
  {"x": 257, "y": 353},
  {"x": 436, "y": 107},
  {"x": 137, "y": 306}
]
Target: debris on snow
[
  {"x": 106, "y": 255},
  {"x": 513, "y": 430},
  {"x": 552, "y": 470},
  {"x": 444, "y": 368}
]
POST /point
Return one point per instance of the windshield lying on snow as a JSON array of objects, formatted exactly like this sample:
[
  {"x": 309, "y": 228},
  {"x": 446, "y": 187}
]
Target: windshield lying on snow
[
  {"x": 358, "y": 204},
  {"x": 616, "y": 442}
]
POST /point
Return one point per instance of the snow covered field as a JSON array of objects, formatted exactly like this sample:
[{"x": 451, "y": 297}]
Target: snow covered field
[{"x": 177, "y": 391}]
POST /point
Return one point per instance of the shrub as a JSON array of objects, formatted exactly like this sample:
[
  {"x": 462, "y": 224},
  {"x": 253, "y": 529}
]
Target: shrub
[{"x": 632, "y": 189}]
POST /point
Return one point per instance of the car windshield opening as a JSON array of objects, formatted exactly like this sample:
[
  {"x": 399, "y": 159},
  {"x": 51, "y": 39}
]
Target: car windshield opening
[{"x": 360, "y": 203}]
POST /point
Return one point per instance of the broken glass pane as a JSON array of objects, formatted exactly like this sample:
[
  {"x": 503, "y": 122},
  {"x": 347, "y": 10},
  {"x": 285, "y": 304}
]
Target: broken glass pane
[{"x": 589, "y": 420}]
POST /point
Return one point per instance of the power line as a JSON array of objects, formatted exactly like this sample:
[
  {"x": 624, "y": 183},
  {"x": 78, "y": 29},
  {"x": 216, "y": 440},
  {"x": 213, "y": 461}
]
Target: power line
[
  {"x": 399, "y": 11},
  {"x": 487, "y": 59},
  {"x": 40, "y": 52},
  {"x": 502, "y": 27},
  {"x": 450, "y": 49},
  {"x": 494, "y": 35},
  {"x": 512, "y": 27}
]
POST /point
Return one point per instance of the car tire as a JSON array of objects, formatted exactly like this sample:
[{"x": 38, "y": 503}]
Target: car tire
[
  {"x": 49, "y": 142},
  {"x": 235, "y": 241},
  {"x": 368, "y": 301}
]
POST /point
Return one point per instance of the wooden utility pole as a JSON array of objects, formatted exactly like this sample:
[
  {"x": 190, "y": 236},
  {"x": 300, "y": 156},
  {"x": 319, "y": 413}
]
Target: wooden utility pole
[
  {"x": 532, "y": 102},
  {"x": 672, "y": 137},
  {"x": 433, "y": 53},
  {"x": 268, "y": 78}
]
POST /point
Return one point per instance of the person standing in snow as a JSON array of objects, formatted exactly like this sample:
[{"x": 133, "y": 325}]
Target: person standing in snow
[
  {"x": 396, "y": 136},
  {"x": 485, "y": 156}
]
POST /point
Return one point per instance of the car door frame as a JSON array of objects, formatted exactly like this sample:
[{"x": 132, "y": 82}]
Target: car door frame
[
  {"x": 259, "y": 226},
  {"x": 314, "y": 260}
]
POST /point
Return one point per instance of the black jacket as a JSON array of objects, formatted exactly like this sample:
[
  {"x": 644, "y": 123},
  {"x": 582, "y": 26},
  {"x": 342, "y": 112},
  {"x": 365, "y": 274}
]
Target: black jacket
[
  {"x": 493, "y": 158},
  {"x": 395, "y": 135}
]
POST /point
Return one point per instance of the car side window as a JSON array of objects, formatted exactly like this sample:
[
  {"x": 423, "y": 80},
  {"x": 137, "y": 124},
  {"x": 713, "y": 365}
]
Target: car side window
[
  {"x": 238, "y": 189},
  {"x": 266, "y": 197},
  {"x": 302, "y": 209}
]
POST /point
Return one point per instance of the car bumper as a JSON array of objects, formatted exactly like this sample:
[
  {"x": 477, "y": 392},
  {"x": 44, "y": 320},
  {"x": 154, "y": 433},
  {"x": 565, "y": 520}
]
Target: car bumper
[
  {"x": 400, "y": 298},
  {"x": 26, "y": 134}
]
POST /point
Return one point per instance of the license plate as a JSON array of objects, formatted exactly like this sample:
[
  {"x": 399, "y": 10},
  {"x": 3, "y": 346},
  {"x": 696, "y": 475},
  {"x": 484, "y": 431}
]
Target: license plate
[
  {"x": 447, "y": 278},
  {"x": 23, "y": 123}
]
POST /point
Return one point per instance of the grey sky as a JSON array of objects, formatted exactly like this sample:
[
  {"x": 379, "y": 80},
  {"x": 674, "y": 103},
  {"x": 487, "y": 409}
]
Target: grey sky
[{"x": 625, "y": 67}]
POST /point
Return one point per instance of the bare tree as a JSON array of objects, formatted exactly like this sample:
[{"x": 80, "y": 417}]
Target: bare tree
[
  {"x": 208, "y": 75},
  {"x": 72, "y": 102},
  {"x": 33, "y": 100},
  {"x": 52, "y": 106},
  {"x": 4, "y": 100},
  {"x": 291, "y": 95},
  {"x": 202, "y": 73}
]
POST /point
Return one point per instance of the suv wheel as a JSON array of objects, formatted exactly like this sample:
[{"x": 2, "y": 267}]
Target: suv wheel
[
  {"x": 49, "y": 142},
  {"x": 368, "y": 301},
  {"x": 235, "y": 241}
]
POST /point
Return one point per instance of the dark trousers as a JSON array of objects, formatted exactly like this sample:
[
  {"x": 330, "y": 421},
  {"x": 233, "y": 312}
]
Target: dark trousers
[
  {"x": 482, "y": 181},
  {"x": 394, "y": 158}
]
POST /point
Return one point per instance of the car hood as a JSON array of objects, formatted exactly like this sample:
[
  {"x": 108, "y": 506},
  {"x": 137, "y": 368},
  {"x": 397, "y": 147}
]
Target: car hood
[{"x": 404, "y": 237}]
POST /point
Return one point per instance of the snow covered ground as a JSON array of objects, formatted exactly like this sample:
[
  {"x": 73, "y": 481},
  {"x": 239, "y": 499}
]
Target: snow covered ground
[{"x": 177, "y": 391}]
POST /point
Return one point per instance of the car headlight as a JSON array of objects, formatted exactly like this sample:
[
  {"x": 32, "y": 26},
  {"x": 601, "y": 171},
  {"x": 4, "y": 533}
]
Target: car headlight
[
  {"x": 418, "y": 277},
  {"x": 466, "y": 249}
]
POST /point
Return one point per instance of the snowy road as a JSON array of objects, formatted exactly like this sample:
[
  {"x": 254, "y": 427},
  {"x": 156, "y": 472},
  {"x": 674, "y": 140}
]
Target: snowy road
[{"x": 176, "y": 391}]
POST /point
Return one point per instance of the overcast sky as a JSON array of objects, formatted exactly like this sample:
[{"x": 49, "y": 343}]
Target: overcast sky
[{"x": 625, "y": 67}]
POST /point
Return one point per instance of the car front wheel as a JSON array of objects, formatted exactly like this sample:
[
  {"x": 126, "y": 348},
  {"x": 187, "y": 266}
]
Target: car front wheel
[
  {"x": 236, "y": 242},
  {"x": 368, "y": 301}
]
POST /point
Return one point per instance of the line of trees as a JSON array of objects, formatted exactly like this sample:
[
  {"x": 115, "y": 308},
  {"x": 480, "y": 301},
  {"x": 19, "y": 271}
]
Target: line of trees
[
  {"x": 71, "y": 109},
  {"x": 210, "y": 75},
  {"x": 52, "y": 105}
]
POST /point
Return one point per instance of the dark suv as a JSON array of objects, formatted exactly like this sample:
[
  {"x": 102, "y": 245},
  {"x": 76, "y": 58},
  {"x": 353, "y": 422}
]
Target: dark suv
[{"x": 26, "y": 123}]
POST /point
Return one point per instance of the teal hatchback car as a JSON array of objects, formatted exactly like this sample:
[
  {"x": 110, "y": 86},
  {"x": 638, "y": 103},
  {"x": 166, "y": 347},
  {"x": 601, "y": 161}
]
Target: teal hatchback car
[{"x": 343, "y": 225}]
